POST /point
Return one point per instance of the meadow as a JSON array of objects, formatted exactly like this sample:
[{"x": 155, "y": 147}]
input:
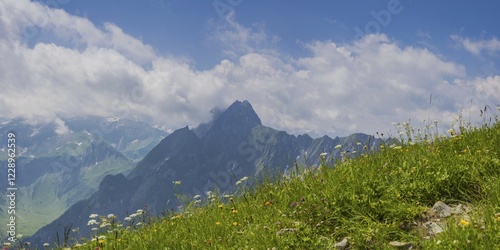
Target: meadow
[{"x": 380, "y": 200}]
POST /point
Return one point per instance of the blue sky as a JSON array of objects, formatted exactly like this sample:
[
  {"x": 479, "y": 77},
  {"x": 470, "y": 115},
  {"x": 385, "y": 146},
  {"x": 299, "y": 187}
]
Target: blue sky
[
  {"x": 184, "y": 28},
  {"x": 304, "y": 66}
]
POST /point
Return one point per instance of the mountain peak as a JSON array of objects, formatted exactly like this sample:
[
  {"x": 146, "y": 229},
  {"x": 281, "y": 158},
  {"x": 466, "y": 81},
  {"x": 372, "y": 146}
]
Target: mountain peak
[{"x": 239, "y": 117}]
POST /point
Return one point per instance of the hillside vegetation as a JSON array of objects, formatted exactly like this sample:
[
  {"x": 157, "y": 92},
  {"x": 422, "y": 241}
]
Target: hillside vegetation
[{"x": 382, "y": 200}]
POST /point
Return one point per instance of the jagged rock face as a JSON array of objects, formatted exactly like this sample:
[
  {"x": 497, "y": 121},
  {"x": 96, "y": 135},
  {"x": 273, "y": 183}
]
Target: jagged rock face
[{"x": 234, "y": 144}]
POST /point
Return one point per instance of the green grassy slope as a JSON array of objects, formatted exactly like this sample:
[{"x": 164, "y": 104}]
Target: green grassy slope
[{"x": 374, "y": 200}]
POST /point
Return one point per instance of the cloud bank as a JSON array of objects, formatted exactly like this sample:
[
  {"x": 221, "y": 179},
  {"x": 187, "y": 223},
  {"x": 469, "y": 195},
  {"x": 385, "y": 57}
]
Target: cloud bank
[{"x": 77, "y": 68}]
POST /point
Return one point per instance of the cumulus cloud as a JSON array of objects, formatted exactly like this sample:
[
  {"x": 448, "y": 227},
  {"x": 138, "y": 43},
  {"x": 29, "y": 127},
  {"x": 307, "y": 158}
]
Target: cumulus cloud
[
  {"x": 61, "y": 128},
  {"x": 476, "y": 47},
  {"x": 361, "y": 86}
]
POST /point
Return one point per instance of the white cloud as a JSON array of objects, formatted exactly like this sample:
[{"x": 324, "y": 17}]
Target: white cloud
[
  {"x": 237, "y": 39},
  {"x": 476, "y": 47},
  {"x": 361, "y": 86},
  {"x": 61, "y": 128}
]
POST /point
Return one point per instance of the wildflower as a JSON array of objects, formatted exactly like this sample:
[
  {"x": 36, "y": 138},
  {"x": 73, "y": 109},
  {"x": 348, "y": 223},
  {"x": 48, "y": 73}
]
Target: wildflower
[
  {"x": 238, "y": 183},
  {"x": 197, "y": 197},
  {"x": 139, "y": 224},
  {"x": 93, "y": 216},
  {"x": 92, "y": 222},
  {"x": 177, "y": 182},
  {"x": 244, "y": 178},
  {"x": 19, "y": 236},
  {"x": 197, "y": 202},
  {"x": 217, "y": 223},
  {"x": 95, "y": 229},
  {"x": 111, "y": 216},
  {"x": 226, "y": 196},
  {"x": 45, "y": 244},
  {"x": 231, "y": 199},
  {"x": 128, "y": 218},
  {"x": 267, "y": 203},
  {"x": 322, "y": 155},
  {"x": 235, "y": 223},
  {"x": 451, "y": 131},
  {"x": 338, "y": 146},
  {"x": 104, "y": 225},
  {"x": 358, "y": 143},
  {"x": 234, "y": 211},
  {"x": 140, "y": 211},
  {"x": 102, "y": 237},
  {"x": 220, "y": 206},
  {"x": 463, "y": 223}
]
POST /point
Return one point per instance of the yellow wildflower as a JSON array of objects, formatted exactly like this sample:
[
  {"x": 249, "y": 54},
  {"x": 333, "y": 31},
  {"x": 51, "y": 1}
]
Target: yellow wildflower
[
  {"x": 235, "y": 223},
  {"x": 463, "y": 223}
]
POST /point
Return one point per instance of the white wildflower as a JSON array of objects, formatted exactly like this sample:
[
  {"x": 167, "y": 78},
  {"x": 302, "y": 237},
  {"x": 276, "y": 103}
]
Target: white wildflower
[{"x": 92, "y": 222}]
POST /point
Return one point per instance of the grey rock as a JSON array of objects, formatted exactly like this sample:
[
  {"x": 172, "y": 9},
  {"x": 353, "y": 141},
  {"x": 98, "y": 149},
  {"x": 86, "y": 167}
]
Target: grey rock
[
  {"x": 442, "y": 209},
  {"x": 342, "y": 244},
  {"x": 433, "y": 228},
  {"x": 401, "y": 245}
]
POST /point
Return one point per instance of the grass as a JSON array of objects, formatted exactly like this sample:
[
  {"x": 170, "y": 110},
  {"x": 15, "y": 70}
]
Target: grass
[{"x": 372, "y": 200}]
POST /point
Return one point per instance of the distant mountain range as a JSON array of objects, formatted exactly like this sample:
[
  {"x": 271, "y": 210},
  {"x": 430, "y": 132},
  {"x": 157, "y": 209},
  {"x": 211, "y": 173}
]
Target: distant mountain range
[
  {"x": 210, "y": 157},
  {"x": 62, "y": 162}
]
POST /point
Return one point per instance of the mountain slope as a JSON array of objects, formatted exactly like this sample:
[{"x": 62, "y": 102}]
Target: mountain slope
[
  {"x": 62, "y": 162},
  {"x": 233, "y": 145},
  {"x": 438, "y": 192}
]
